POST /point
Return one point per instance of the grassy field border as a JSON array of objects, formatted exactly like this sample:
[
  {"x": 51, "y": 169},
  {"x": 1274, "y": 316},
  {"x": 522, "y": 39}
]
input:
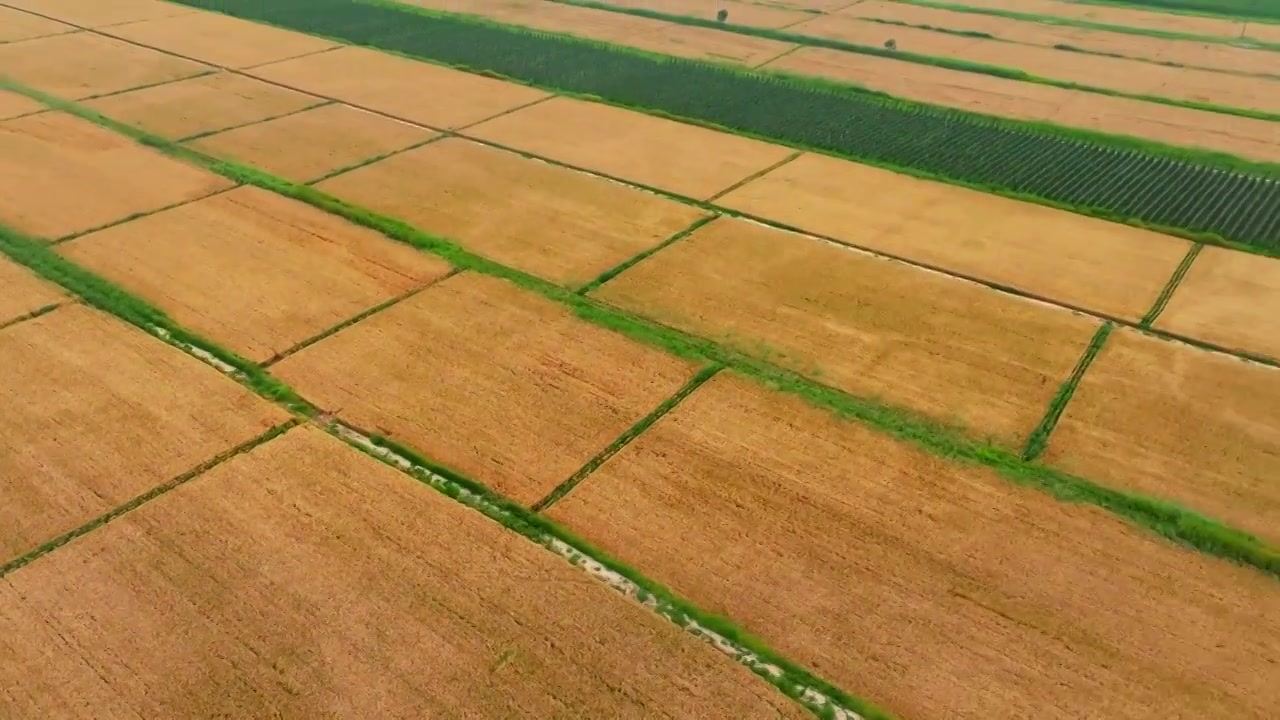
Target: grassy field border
[
  {"x": 1162, "y": 300},
  {"x": 944, "y": 62},
  {"x": 1165, "y": 518},
  {"x": 1038, "y": 441},
  {"x": 1156, "y": 6}
]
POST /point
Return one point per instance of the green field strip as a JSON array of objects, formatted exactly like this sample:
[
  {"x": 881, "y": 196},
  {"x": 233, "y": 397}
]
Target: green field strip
[
  {"x": 1038, "y": 441},
  {"x": 948, "y": 63},
  {"x": 1164, "y": 518},
  {"x": 355, "y": 319},
  {"x": 636, "y": 259},
  {"x": 144, "y": 498},
  {"x": 138, "y": 216},
  {"x": 33, "y": 314},
  {"x": 635, "y": 80},
  {"x": 204, "y": 134},
  {"x": 1172, "y": 286},
  {"x": 635, "y": 431}
]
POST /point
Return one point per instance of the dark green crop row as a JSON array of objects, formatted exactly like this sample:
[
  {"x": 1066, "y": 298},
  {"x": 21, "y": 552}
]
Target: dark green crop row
[
  {"x": 1239, "y": 9},
  {"x": 1124, "y": 182}
]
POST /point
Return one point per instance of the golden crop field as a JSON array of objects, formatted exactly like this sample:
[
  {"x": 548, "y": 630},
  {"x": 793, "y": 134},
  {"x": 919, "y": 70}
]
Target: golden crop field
[{"x": 347, "y": 383}]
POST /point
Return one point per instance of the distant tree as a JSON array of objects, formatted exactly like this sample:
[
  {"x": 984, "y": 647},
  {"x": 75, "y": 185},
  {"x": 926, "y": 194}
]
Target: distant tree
[
  {"x": 891, "y": 44},
  {"x": 722, "y": 16}
]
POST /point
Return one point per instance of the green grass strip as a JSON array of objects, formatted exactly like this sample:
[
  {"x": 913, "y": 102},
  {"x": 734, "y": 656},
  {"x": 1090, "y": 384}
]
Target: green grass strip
[
  {"x": 948, "y": 63},
  {"x": 1167, "y": 293},
  {"x": 144, "y": 498},
  {"x": 635, "y": 431},
  {"x": 636, "y": 259},
  {"x": 1167, "y": 519},
  {"x": 1039, "y": 439}
]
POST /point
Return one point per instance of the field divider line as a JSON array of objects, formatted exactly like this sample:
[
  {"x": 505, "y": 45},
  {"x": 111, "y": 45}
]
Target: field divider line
[
  {"x": 141, "y": 214},
  {"x": 635, "y": 431},
  {"x": 794, "y": 47},
  {"x": 207, "y": 133},
  {"x": 375, "y": 158},
  {"x": 43, "y": 310},
  {"x": 1159, "y": 516},
  {"x": 508, "y": 111},
  {"x": 146, "y": 497},
  {"x": 755, "y": 176},
  {"x": 1038, "y": 441},
  {"x": 640, "y": 257},
  {"x": 39, "y": 37},
  {"x": 161, "y": 83},
  {"x": 336, "y": 46},
  {"x": 265, "y": 364},
  {"x": 1171, "y": 287}
]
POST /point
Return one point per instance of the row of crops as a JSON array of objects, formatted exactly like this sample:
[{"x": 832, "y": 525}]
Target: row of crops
[
  {"x": 1118, "y": 181},
  {"x": 1233, "y": 8}
]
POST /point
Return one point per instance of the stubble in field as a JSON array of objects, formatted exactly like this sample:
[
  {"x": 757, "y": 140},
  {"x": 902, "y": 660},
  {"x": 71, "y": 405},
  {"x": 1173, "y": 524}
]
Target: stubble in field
[
  {"x": 96, "y": 413},
  {"x": 12, "y": 105},
  {"x": 407, "y": 89},
  {"x": 1176, "y": 422},
  {"x": 502, "y": 385},
  {"x": 221, "y": 40},
  {"x": 97, "y": 13},
  {"x": 17, "y": 25},
  {"x": 304, "y": 579},
  {"x": 253, "y": 271},
  {"x": 934, "y": 589},
  {"x": 60, "y": 175},
  {"x": 201, "y": 105},
  {"x": 1231, "y": 299},
  {"x": 22, "y": 292},
  {"x": 558, "y": 224},
  {"x": 313, "y": 143},
  {"x": 79, "y": 65},
  {"x": 1100, "y": 266},
  {"x": 945, "y": 348},
  {"x": 657, "y": 152}
]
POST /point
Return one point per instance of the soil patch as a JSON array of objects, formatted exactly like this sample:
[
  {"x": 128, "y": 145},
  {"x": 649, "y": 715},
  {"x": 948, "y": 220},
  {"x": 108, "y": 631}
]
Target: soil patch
[
  {"x": 1176, "y": 422},
  {"x": 304, "y": 579},
  {"x": 221, "y": 40},
  {"x": 558, "y": 224},
  {"x": 932, "y": 589},
  {"x": 255, "y": 272},
  {"x": 17, "y": 25},
  {"x": 1231, "y": 299},
  {"x": 60, "y": 175},
  {"x": 502, "y": 385},
  {"x": 406, "y": 89},
  {"x": 1101, "y": 266},
  {"x": 97, "y": 13},
  {"x": 74, "y": 66},
  {"x": 22, "y": 292},
  {"x": 96, "y": 413},
  {"x": 684, "y": 159}
]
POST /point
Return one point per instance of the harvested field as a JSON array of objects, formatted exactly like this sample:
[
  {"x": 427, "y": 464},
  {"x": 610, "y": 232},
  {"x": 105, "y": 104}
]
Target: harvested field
[
  {"x": 201, "y": 105},
  {"x": 945, "y": 348},
  {"x": 253, "y": 271},
  {"x": 976, "y": 92},
  {"x": 1190, "y": 53},
  {"x": 22, "y": 292},
  {"x": 653, "y": 151},
  {"x": 751, "y": 14},
  {"x": 1173, "y": 421},
  {"x": 934, "y": 589},
  {"x": 12, "y": 105},
  {"x": 75, "y": 66},
  {"x": 1118, "y": 74},
  {"x": 1100, "y": 266},
  {"x": 99, "y": 13},
  {"x": 304, "y": 579},
  {"x": 61, "y": 175},
  {"x": 310, "y": 144},
  {"x": 221, "y": 40},
  {"x": 1136, "y": 18},
  {"x": 501, "y": 385},
  {"x": 1231, "y": 299},
  {"x": 558, "y": 224},
  {"x": 17, "y": 25},
  {"x": 98, "y": 412},
  {"x": 406, "y": 89}
]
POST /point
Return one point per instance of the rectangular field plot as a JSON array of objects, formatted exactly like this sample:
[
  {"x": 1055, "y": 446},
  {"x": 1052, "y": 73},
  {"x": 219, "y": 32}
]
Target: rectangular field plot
[
  {"x": 410, "y": 90},
  {"x": 80, "y": 65},
  {"x": 22, "y": 292},
  {"x": 1173, "y": 421},
  {"x": 313, "y": 143},
  {"x": 100, "y": 13},
  {"x": 932, "y": 589},
  {"x": 12, "y": 105},
  {"x": 501, "y": 385},
  {"x": 657, "y": 152},
  {"x": 558, "y": 224},
  {"x": 96, "y": 413},
  {"x": 253, "y": 271},
  {"x": 201, "y": 105},
  {"x": 946, "y": 348},
  {"x": 1100, "y": 266},
  {"x": 17, "y": 25},
  {"x": 221, "y": 40},
  {"x": 306, "y": 580},
  {"x": 1231, "y": 299},
  {"x": 61, "y": 175}
]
